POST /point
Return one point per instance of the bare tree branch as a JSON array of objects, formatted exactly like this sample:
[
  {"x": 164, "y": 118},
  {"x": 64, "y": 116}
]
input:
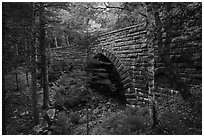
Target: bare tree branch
[
  {"x": 121, "y": 8},
  {"x": 107, "y": 6},
  {"x": 102, "y": 8}
]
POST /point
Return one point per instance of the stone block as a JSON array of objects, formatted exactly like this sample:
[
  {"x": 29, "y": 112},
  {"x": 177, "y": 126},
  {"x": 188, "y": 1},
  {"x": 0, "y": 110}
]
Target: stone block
[
  {"x": 130, "y": 96},
  {"x": 112, "y": 58},
  {"x": 143, "y": 45},
  {"x": 127, "y": 85},
  {"x": 142, "y": 94},
  {"x": 196, "y": 81},
  {"x": 141, "y": 99},
  {"x": 108, "y": 53},
  {"x": 125, "y": 47},
  {"x": 131, "y": 101},
  {"x": 130, "y": 42},
  {"x": 122, "y": 71},
  {"x": 118, "y": 40},
  {"x": 124, "y": 75},
  {"x": 120, "y": 68},
  {"x": 116, "y": 61},
  {"x": 195, "y": 76},
  {"x": 133, "y": 33},
  {"x": 137, "y": 29},
  {"x": 126, "y": 80},
  {"x": 118, "y": 64}
]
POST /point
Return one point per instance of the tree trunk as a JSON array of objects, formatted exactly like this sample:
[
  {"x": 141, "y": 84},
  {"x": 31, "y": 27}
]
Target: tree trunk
[
  {"x": 67, "y": 40},
  {"x": 16, "y": 66},
  {"x": 87, "y": 118},
  {"x": 150, "y": 71},
  {"x": 34, "y": 85},
  {"x": 34, "y": 71},
  {"x": 49, "y": 58},
  {"x": 3, "y": 80},
  {"x": 87, "y": 62},
  {"x": 27, "y": 64},
  {"x": 3, "y": 102},
  {"x": 44, "y": 70},
  {"x": 27, "y": 79},
  {"x": 56, "y": 45}
]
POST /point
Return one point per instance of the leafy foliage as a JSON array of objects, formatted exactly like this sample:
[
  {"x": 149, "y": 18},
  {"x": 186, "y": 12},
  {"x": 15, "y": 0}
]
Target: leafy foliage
[
  {"x": 72, "y": 90},
  {"x": 178, "y": 117},
  {"x": 74, "y": 117},
  {"x": 11, "y": 81},
  {"x": 62, "y": 125},
  {"x": 124, "y": 122}
]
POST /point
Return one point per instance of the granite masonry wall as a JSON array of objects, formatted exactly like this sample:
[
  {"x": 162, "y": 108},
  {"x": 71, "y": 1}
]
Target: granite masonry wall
[{"x": 127, "y": 49}]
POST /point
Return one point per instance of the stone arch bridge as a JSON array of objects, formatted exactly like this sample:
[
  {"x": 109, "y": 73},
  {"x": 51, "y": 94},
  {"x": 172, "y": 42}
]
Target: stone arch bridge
[{"x": 127, "y": 49}]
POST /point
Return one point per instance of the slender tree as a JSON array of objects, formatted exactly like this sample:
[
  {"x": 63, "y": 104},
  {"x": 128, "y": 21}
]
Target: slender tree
[
  {"x": 27, "y": 62},
  {"x": 3, "y": 100},
  {"x": 16, "y": 66},
  {"x": 34, "y": 85},
  {"x": 3, "y": 76},
  {"x": 44, "y": 69},
  {"x": 150, "y": 71},
  {"x": 56, "y": 43},
  {"x": 33, "y": 69}
]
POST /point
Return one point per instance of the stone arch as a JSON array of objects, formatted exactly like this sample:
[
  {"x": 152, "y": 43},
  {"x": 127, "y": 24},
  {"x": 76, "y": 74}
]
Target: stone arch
[
  {"x": 162, "y": 78},
  {"x": 120, "y": 67},
  {"x": 161, "y": 70}
]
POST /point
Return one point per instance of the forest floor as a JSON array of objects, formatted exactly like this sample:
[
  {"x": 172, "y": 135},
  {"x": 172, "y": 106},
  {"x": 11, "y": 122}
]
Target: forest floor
[{"x": 105, "y": 116}]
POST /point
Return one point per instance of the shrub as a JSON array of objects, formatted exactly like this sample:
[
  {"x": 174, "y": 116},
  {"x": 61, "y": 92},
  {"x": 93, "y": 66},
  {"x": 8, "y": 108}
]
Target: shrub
[
  {"x": 124, "y": 122},
  {"x": 10, "y": 80},
  {"x": 62, "y": 125},
  {"x": 72, "y": 91},
  {"x": 180, "y": 117},
  {"x": 74, "y": 117},
  {"x": 57, "y": 68}
]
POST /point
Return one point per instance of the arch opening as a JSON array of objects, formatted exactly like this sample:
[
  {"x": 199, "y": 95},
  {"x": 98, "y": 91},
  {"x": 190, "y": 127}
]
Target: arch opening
[
  {"x": 162, "y": 79},
  {"x": 106, "y": 79}
]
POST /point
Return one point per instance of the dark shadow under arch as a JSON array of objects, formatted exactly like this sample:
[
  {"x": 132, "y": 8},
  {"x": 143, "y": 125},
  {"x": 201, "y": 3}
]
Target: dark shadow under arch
[
  {"x": 163, "y": 79},
  {"x": 120, "y": 67},
  {"x": 117, "y": 71}
]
